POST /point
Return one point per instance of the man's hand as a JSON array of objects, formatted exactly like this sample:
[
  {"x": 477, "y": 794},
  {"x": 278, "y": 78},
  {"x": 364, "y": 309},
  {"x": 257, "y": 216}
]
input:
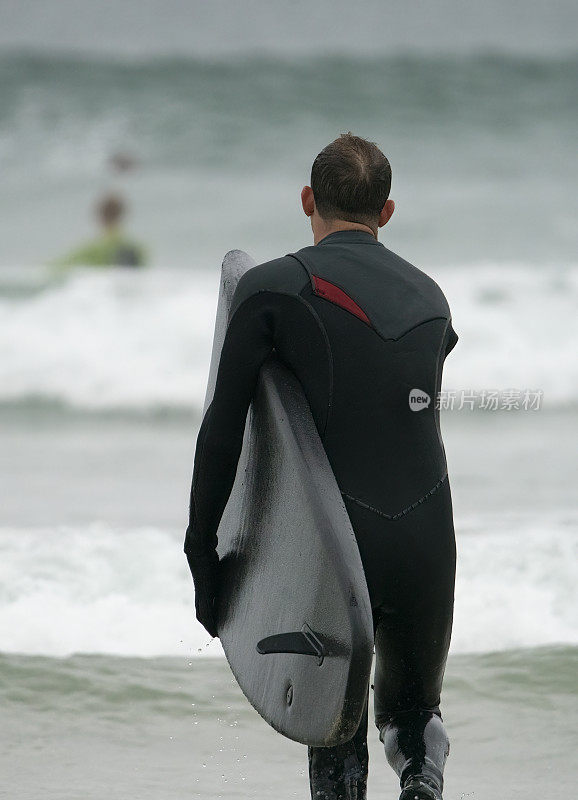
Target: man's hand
[{"x": 204, "y": 569}]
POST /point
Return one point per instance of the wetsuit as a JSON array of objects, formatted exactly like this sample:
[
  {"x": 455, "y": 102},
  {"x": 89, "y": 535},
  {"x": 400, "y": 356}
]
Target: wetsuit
[
  {"x": 366, "y": 333},
  {"x": 110, "y": 249}
]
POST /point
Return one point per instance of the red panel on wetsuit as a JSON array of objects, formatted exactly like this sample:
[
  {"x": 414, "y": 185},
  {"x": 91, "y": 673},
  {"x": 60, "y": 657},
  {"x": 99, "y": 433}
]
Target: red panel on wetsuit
[{"x": 336, "y": 295}]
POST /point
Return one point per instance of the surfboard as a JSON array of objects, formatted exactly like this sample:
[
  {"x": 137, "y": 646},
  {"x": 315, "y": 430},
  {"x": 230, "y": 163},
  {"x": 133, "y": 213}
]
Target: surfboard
[{"x": 294, "y": 611}]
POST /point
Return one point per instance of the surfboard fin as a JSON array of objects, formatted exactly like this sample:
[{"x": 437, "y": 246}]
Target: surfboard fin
[{"x": 304, "y": 642}]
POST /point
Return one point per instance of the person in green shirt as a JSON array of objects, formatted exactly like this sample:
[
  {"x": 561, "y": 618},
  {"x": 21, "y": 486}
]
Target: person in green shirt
[{"x": 111, "y": 248}]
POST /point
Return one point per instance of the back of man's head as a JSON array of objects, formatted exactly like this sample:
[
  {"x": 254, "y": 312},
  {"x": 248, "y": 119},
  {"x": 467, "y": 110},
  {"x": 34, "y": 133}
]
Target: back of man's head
[{"x": 351, "y": 180}]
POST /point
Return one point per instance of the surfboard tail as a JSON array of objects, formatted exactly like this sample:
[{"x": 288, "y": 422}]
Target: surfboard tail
[{"x": 304, "y": 642}]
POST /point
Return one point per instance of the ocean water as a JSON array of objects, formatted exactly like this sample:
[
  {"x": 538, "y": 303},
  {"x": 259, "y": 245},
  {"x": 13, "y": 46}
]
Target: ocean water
[
  {"x": 109, "y": 686},
  {"x": 481, "y": 145},
  {"x": 138, "y": 342},
  {"x": 98, "y": 726}
]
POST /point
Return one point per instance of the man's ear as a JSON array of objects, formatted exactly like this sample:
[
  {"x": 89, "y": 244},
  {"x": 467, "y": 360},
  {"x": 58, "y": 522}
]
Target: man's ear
[
  {"x": 307, "y": 200},
  {"x": 386, "y": 213}
]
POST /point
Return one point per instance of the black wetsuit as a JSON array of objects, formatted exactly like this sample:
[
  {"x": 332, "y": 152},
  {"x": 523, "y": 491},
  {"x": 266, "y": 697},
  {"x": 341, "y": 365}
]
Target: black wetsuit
[{"x": 362, "y": 330}]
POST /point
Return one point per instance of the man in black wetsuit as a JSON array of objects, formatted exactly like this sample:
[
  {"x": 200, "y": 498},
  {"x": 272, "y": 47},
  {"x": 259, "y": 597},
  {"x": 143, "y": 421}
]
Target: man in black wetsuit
[{"x": 366, "y": 333}]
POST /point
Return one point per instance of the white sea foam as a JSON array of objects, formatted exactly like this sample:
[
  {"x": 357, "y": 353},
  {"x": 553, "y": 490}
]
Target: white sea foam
[
  {"x": 105, "y": 340},
  {"x": 517, "y": 582},
  {"x": 97, "y": 590},
  {"x": 128, "y": 592},
  {"x": 517, "y": 329},
  {"x": 109, "y": 340}
]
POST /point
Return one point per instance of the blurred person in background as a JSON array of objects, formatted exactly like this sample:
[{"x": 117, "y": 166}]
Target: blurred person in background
[{"x": 111, "y": 248}]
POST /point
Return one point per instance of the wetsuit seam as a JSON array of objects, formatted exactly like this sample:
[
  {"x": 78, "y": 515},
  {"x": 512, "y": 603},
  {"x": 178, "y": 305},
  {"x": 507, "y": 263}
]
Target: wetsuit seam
[
  {"x": 404, "y": 511},
  {"x": 324, "y": 334},
  {"x": 316, "y": 292},
  {"x": 371, "y": 240},
  {"x": 305, "y": 266},
  {"x": 309, "y": 270},
  {"x": 409, "y": 330}
]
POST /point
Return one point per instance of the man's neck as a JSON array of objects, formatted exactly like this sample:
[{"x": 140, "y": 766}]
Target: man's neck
[{"x": 323, "y": 229}]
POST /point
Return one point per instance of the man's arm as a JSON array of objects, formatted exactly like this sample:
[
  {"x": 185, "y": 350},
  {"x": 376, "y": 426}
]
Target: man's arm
[
  {"x": 248, "y": 342},
  {"x": 452, "y": 339}
]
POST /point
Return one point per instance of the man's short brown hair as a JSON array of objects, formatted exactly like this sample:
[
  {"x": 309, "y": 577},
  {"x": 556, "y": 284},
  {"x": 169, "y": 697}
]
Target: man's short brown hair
[{"x": 351, "y": 180}]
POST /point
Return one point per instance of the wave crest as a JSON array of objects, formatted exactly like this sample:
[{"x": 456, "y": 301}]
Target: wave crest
[{"x": 106, "y": 341}]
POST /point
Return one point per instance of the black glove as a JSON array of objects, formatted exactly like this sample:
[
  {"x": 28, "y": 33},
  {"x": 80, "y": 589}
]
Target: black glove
[{"x": 205, "y": 571}]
